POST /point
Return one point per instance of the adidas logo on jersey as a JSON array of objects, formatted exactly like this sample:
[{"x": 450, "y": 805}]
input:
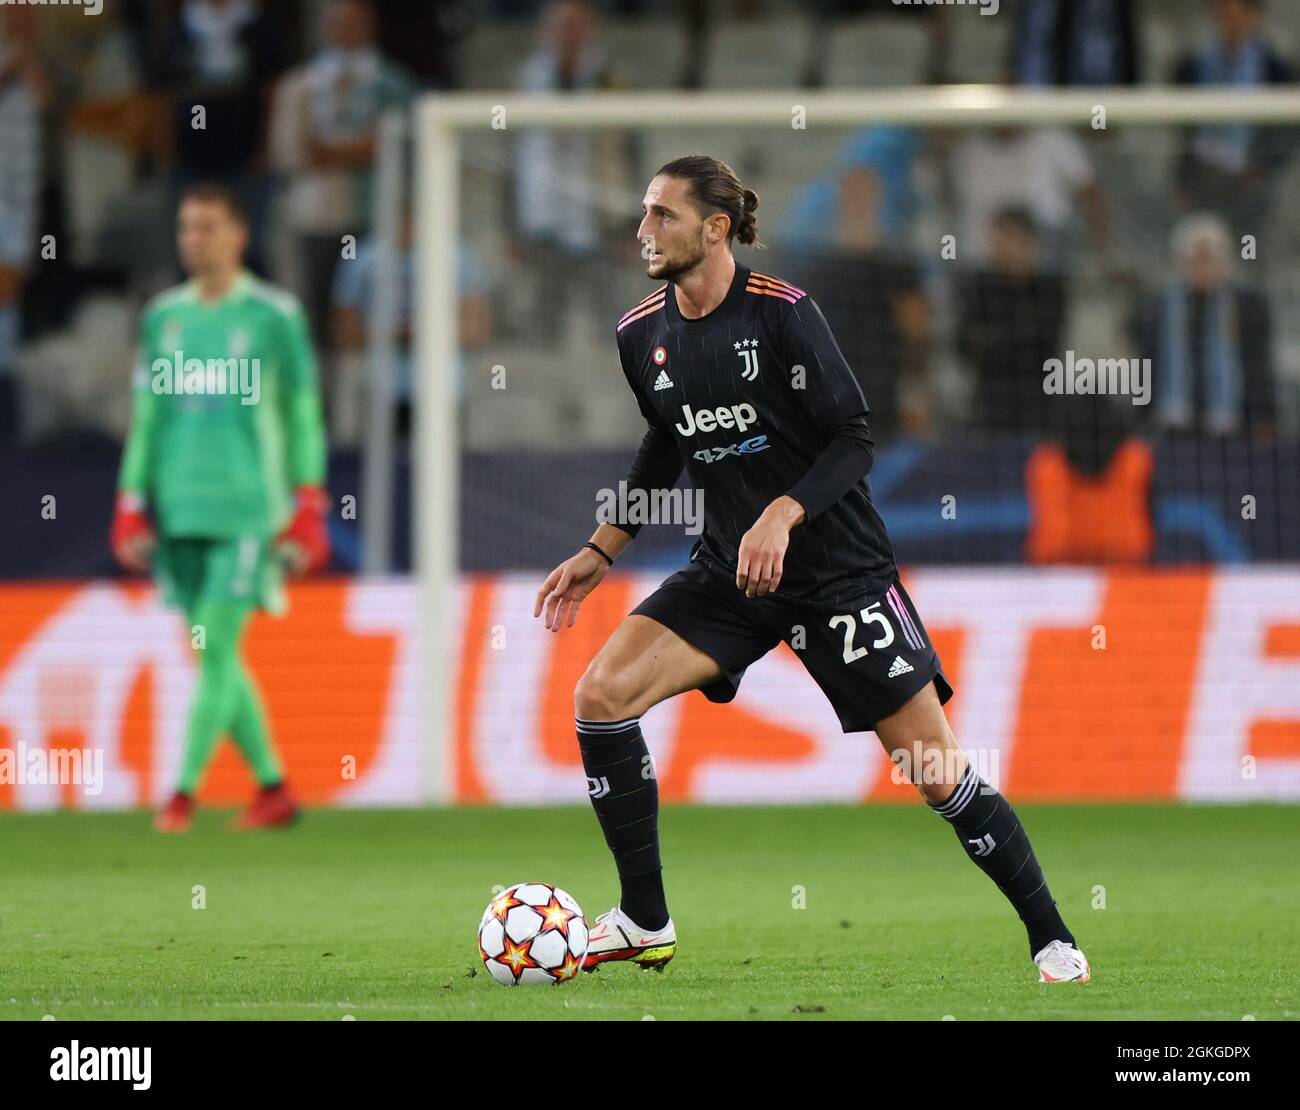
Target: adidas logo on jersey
[
  {"x": 899, "y": 666},
  {"x": 663, "y": 381}
]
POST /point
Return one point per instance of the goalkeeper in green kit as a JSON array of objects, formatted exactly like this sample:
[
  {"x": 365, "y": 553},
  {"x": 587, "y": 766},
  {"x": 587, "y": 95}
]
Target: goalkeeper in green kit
[{"x": 222, "y": 481}]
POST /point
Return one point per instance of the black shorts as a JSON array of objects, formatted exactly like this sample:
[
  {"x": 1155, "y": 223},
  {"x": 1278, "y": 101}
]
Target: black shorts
[{"x": 868, "y": 660}]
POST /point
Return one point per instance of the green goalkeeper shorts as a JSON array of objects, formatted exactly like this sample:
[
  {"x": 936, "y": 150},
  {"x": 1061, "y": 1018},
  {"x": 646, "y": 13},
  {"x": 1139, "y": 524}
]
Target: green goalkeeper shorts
[{"x": 247, "y": 568}]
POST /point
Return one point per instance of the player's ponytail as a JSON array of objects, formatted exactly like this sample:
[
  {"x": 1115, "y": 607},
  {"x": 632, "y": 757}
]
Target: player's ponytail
[
  {"x": 747, "y": 229},
  {"x": 715, "y": 188}
]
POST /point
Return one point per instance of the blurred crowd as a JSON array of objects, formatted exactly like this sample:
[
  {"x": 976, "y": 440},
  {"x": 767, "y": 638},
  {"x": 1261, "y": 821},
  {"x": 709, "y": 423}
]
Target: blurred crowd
[{"x": 951, "y": 266}]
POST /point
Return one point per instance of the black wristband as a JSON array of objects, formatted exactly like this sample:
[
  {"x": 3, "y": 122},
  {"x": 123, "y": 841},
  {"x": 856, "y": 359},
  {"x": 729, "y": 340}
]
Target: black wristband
[{"x": 598, "y": 551}]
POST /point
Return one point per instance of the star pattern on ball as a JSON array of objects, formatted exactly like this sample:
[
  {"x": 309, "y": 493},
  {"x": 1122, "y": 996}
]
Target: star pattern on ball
[
  {"x": 568, "y": 969},
  {"x": 503, "y": 903},
  {"x": 555, "y": 916},
  {"x": 516, "y": 957}
]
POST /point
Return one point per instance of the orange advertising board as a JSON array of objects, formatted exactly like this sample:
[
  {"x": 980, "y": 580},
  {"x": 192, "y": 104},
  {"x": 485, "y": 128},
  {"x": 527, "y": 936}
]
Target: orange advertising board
[{"x": 1071, "y": 684}]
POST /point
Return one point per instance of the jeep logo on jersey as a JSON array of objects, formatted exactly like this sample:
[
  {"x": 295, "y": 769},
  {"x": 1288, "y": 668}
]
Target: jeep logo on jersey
[{"x": 739, "y": 416}]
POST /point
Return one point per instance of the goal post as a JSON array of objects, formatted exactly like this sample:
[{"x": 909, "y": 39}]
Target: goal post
[
  {"x": 436, "y": 457},
  {"x": 444, "y": 121}
]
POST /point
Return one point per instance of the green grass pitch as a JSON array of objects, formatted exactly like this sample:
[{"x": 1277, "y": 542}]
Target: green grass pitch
[{"x": 372, "y": 914}]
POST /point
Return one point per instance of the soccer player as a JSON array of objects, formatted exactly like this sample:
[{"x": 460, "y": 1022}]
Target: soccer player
[
  {"x": 740, "y": 379},
  {"x": 222, "y": 481}
]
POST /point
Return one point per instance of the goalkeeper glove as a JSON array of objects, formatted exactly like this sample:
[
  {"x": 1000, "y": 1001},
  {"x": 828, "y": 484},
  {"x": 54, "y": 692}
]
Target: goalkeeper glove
[
  {"x": 305, "y": 543},
  {"x": 131, "y": 538}
]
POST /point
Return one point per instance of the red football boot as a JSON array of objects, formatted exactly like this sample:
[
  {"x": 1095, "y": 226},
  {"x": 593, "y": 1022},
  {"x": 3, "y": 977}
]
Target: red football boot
[
  {"x": 273, "y": 808},
  {"x": 176, "y": 816}
]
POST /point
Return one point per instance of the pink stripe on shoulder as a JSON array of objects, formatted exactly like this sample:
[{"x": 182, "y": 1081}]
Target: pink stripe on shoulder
[
  {"x": 634, "y": 316},
  {"x": 773, "y": 293},
  {"x": 779, "y": 281},
  {"x": 644, "y": 301}
]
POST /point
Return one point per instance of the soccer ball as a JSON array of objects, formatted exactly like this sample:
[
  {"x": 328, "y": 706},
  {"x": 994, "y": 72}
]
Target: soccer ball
[{"x": 532, "y": 933}]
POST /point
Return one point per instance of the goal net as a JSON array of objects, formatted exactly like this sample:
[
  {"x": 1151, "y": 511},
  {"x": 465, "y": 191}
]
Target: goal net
[{"x": 1069, "y": 312}]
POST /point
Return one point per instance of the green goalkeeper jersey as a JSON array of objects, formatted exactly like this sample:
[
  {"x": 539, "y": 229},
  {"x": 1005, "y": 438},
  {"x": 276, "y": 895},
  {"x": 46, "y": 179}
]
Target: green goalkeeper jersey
[{"x": 226, "y": 418}]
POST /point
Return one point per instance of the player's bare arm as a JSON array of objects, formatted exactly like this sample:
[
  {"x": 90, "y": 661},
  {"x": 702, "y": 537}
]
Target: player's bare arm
[
  {"x": 569, "y": 584},
  {"x": 763, "y": 547}
]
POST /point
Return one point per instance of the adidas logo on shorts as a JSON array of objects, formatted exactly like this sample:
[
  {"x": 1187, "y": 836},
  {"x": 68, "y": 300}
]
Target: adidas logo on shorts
[
  {"x": 899, "y": 666},
  {"x": 663, "y": 381}
]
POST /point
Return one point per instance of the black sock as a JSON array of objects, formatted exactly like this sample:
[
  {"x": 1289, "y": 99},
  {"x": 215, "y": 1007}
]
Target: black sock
[
  {"x": 994, "y": 838},
  {"x": 625, "y": 795}
]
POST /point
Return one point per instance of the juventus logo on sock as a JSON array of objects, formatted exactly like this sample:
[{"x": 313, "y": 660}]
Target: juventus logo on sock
[
  {"x": 626, "y": 802},
  {"x": 997, "y": 844},
  {"x": 984, "y": 845}
]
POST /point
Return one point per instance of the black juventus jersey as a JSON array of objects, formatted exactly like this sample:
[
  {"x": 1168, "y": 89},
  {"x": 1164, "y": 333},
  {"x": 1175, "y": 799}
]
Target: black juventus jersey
[{"x": 749, "y": 397}]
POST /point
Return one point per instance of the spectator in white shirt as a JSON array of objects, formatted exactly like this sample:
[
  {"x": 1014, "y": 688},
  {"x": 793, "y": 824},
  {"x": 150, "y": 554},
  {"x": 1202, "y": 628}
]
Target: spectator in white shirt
[{"x": 1045, "y": 171}]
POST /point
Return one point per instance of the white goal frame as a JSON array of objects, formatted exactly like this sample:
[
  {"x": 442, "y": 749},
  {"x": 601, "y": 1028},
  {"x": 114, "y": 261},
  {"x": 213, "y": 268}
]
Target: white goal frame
[{"x": 440, "y": 118}]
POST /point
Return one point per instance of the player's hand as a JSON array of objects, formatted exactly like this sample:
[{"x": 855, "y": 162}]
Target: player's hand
[
  {"x": 305, "y": 544},
  {"x": 131, "y": 538},
  {"x": 567, "y": 586},
  {"x": 762, "y": 549}
]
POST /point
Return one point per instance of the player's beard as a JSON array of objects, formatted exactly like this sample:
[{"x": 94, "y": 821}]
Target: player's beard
[{"x": 670, "y": 269}]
